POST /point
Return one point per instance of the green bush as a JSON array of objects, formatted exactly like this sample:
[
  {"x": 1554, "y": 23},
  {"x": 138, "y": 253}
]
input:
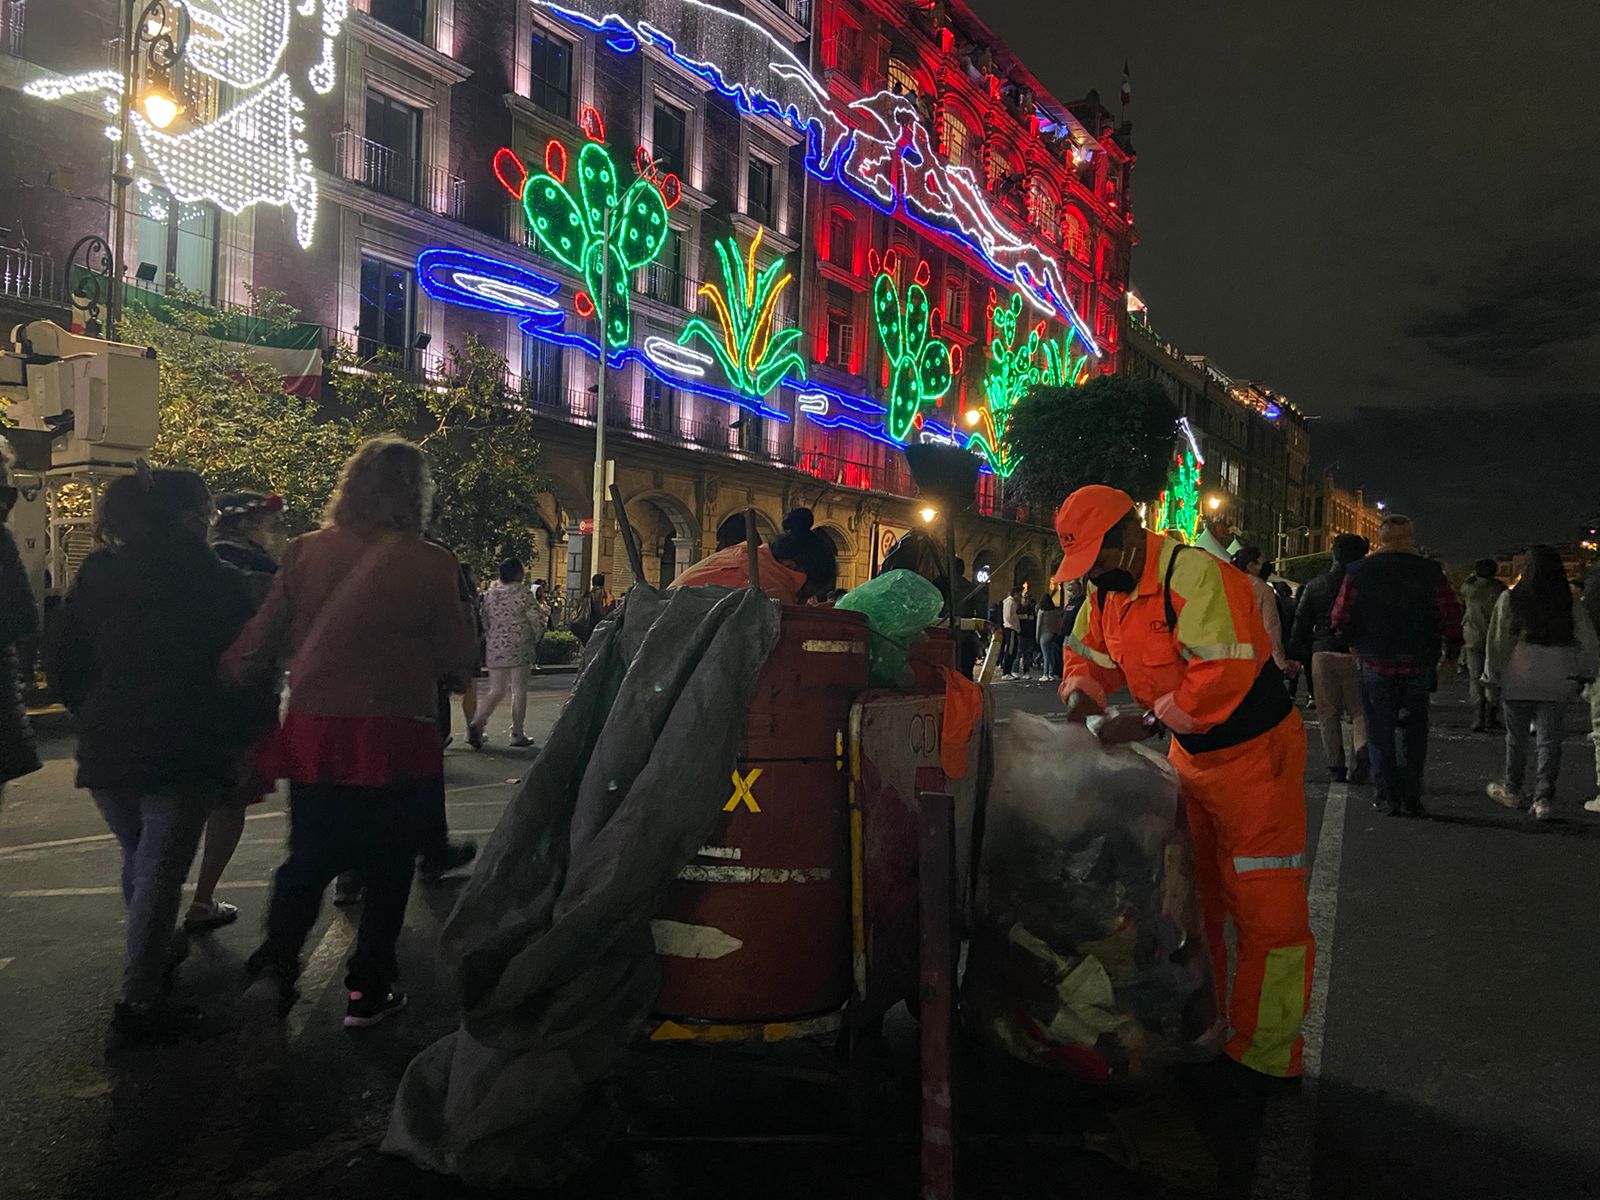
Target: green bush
[{"x": 559, "y": 646}]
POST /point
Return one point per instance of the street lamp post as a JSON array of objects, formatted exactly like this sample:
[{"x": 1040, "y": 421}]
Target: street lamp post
[{"x": 599, "y": 498}]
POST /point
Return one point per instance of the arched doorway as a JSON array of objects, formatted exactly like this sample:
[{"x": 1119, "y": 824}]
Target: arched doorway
[
  {"x": 730, "y": 530},
  {"x": 667, "y": 535},
  {"x": 841, "y": 550},
  {"x": 1027, "y": 573}
]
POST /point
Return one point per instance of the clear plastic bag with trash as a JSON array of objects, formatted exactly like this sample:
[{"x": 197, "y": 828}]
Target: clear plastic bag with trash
[
  {"x": 899, "y": 607},
  {"x": 1088, "y": 953}
]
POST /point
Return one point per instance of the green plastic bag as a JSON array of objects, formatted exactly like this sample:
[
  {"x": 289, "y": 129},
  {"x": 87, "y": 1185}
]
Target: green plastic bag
[{"x": 899, "y": 607}]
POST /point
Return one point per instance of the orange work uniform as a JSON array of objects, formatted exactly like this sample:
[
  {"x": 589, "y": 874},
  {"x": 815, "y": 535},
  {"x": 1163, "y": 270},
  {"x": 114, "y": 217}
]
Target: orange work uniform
[
  {"x": 1239, "y": 749},
  {"x": 730, "y": 567}
]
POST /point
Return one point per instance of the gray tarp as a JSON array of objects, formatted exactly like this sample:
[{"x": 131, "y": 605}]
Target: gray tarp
[{"x": 551, "y": 940}]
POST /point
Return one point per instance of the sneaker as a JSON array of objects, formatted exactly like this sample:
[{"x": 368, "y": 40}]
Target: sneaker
[
  {"x": 1543, "y": 810},
  {"x": 1361, "y": 772},
  {"x": 520, "y": 743},
  {"x": 1592, "y": 805},
  {"x": 475, "y": 736},
  {"x": 153, "y": 1024},
  {"x": 202, "y": 918},
  {"x": 347, "y": 889},
  {"x": 368, "y": 1008},
  {"x": 453, "y": 857},
  {"x": 1007, "y": 675},
  {"x": 1504, "y": 794}
]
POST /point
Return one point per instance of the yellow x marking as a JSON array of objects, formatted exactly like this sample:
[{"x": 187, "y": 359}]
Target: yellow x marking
[{"x": 742, "y": 790}]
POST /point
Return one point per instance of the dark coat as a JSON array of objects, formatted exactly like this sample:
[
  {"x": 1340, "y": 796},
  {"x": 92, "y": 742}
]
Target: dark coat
[
  {"x": 1313, "y": 618},
  {"x": 135, "y": 654},
  {"x": 19, "y": 618}
]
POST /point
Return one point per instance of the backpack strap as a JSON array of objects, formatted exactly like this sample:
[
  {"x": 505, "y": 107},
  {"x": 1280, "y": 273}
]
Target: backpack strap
[{"x": 1166, "y": 588}]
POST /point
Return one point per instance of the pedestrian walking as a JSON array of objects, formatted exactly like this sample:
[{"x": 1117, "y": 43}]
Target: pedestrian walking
[
  {"x": 1250, "y": 560},
  {"x": 595, "y": 607},
  {"x": 369, "y": 617},
  {"x": 19, "y": 620},
  {"x": 1335, "y": 676},
  {"x": 1478, "y": 596},
  {"x": 514, "y": 623},
  {"x": 1028, "y": 619},
  {"x": 249, "y": 536},
  {"x": 1184, "y": 634},
  {"x": 1541, "y": 650},
  {"x": 160, "y": 739},
  {"x": 1075, "y": 593},
  {"x": 1397, "y": 612},
  {"x": 1052, "y": 620},
  {"x": 1011, "y": 623}
]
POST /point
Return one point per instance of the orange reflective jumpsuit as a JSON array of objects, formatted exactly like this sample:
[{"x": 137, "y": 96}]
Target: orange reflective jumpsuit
[{"x": 1239, "y": 749}]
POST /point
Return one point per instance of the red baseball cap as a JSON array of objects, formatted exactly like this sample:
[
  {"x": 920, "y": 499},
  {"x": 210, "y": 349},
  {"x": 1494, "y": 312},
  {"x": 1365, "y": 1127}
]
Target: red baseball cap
[{"x": 1082, "y": 521}]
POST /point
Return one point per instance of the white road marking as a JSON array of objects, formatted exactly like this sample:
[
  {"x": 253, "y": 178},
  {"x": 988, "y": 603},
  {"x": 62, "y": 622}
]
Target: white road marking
[
  {"x": 1288, "y": 1137},
  {"x": 6, "y": 962},
  {"x": 101, "y": 838},
  {"x": 318, "y": 977}
]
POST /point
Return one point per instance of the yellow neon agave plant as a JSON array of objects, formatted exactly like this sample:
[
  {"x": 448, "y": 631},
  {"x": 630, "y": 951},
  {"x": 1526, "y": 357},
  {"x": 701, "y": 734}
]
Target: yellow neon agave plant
[{"x": 754, "y": 357}]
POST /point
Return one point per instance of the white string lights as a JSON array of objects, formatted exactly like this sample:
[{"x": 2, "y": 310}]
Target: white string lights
[{"x": 255, "y": 152}]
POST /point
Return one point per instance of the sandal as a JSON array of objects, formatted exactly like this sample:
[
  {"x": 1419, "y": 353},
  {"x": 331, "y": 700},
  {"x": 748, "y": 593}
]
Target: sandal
[{"x": 202, "y": 918}]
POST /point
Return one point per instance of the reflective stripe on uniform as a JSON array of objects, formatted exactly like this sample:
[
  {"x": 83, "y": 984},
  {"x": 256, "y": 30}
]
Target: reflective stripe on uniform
[
  {"x": 1221, "y": 651},
  {"x": 1243, "y": 865},
  {"x": 1098, "y": 657}
]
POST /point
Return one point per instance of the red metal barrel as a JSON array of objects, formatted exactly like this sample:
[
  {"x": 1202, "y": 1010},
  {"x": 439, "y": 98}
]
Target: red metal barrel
[
  {"x": 757, "y": 927},
  {"x": 929, "y": 655}
]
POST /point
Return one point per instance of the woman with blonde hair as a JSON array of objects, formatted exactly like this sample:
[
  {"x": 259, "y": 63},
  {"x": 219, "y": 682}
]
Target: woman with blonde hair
[{"x": 368, "y": 617}]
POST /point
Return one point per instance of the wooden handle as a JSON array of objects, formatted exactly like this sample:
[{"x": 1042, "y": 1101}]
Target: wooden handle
[{"x": 751, "y": 546}]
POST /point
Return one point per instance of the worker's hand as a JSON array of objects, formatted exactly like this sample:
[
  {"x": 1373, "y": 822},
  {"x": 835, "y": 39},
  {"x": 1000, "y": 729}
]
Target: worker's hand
[
  {"x": 1080, "y": 705},
  {"x": 1124, "y": 727},
  {"x": 1292, "y": 668}
]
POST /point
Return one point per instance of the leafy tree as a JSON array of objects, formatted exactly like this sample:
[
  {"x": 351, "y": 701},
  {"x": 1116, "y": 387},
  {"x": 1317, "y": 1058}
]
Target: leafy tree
[
  {"x": 224, "y": 413},
  {"x": 480, "y": 439},
  {"x": 1112, "y": 430}
]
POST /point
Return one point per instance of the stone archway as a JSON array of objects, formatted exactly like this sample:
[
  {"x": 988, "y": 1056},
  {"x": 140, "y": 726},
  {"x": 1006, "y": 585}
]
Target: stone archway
[
  {"x": 843, "y": 551},
  {"x": 669, "y": 538},
  {"x": 1027, "y": 571},
  {"x": 730, "y": 529}
]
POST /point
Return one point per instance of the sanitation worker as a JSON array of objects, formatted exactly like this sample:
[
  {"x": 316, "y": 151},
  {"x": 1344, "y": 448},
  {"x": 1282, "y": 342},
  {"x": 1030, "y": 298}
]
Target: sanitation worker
[{"x": 1184, "y": 633}]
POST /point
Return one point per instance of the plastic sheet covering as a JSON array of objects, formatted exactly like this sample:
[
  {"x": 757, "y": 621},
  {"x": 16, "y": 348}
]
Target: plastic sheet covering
[
  {"x": 1087, "y": 953},
  {"x": 899, "y": 606},
  {"x": 550, "y": 942}
]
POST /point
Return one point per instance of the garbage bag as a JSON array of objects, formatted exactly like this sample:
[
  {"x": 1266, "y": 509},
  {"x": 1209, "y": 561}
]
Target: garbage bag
[
  {"x": 899, "y": 607},
  {"x": 1087, "y": 950}
]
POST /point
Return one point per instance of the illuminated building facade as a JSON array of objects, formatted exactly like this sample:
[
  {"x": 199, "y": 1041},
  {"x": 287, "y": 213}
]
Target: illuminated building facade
[{"x": 812, "y": 230}]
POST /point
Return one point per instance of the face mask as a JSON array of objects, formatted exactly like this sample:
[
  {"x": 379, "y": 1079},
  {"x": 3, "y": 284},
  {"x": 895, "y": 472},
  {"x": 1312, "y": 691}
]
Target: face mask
[{"x": 1114, "y": 580}]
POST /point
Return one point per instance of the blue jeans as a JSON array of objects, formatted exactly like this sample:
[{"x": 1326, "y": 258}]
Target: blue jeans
[
  {"x": 158, "y": 834},
  {"x": 1540, "y": 721},
  {"x": 1397, "y": 734}
]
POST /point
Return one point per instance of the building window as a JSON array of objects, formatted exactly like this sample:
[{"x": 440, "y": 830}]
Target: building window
[
  {"x": 179, "y": 240},
  {"x": 758, "y": 191},
  {"x": 842, "y": 51},
  {"x": 1075, "y": 235},
  {"x": 841, "y": 329},
  {"x": 901, "y": 81},
  {"x": 842, "y": 239},
  {"x": 667, "y": 137},
  {"x": 752, "y": 432},
  {"x": 388, "y": 315},
  {"x": 660, "y": 406},
  {"x": 393, "y": 148},
  {"x": 403, "y": 16},
  {"x": 551, "y": 87},
  {"x": 1044, "y": 206},
  {"x": 959, "y": 146},
  {"x": 663, "y": 279},
  {"x": 542, "y": 372},
  {"x": 955, "y": 302}
]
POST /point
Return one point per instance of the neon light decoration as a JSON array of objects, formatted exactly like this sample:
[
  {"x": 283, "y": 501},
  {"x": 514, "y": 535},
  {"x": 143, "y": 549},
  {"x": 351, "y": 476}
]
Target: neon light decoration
[
  {"x": 1178, "y": 506},
  {"x": 877, "y": 148},
  {"x": 256, "y": 152},
  {"x": 753, "y": 357},
  {"x": 920, "y": 366},
  {"x": 475, "y": 281},
  {"x": 1011, "y": 373},
  {"x": 1061, "y": 368},
  {"x": 598, "y": 225}
]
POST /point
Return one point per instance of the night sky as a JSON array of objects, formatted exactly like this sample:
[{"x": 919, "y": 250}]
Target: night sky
[{"x": 1389, "y": 211}]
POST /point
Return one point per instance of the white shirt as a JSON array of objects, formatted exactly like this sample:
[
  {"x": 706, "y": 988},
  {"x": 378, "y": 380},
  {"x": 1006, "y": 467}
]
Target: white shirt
[{"x": 1011, "y": 614}]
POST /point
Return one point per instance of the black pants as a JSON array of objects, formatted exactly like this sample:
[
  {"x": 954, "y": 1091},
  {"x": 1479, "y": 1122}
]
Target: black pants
[{"x": 334, "y": 828}]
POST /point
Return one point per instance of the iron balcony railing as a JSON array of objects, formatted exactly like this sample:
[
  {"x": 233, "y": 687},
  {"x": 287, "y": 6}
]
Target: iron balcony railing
[
  {"x": 12, "y": 13},
  {"x": 28, "y": 275},
  {"x": 373, "y": 165}
]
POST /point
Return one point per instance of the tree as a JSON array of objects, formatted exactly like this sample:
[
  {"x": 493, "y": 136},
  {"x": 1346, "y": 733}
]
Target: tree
[
  {"x": 224, "y": 412},
  {"x": 479, "y": 437},
  {"x": 1112, "y": 430}
]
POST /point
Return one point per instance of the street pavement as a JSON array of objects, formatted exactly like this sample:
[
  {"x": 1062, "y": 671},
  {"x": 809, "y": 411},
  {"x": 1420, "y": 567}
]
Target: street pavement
[{"x": 1454, "y": 1051}]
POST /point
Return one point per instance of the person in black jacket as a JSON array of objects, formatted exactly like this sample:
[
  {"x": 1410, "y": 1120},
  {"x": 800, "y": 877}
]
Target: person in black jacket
[
  {"x": 19, "y": 619},
  {"x": 160, "y": 740},
  {"x": 1336, "y": 682}
]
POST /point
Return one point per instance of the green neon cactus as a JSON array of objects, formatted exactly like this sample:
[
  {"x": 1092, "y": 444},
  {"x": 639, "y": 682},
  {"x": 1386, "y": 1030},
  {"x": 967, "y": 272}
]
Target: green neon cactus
[
  {"x": 1013, "y": 371},
  {"x": 753, "y": 356},
  {"x": 1178, "y": 506},
  {"x": 1061, "y": 368},
  {"x": 919, "y": 365},
  {"x": 573, "y": 229}
]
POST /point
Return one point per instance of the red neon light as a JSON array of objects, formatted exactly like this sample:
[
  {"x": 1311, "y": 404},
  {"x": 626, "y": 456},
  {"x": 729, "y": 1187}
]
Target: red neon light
[
  {"x": 555, "y": 160},
  {"x": 891, "y": 260},
  {"x": 935, "y": 321},
  {"x": 508, "y": 168},
  {"x": 671, "y": 190},
  {"x": 874, "y": 261},
  {"x": 643, "y": 164},
  {"x": 592, "y": 123},
  {"x": 583, "y": 304},
  {"x": 956, "y": 359},
  {"x": 923, "y": 274}
]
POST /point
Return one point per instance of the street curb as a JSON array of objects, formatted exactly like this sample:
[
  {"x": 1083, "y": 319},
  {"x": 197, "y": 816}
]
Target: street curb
[{"x": 50, "y": 722}]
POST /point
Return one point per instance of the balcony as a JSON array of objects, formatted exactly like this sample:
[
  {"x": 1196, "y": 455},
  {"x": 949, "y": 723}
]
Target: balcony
[
  {"x": 892, "y": 475},
  {"x": 28, "y": 275},
  {"x": 378, "y": 168},
  {"x": 663, "y": 284},
  {"x": 11, "y": 22}
]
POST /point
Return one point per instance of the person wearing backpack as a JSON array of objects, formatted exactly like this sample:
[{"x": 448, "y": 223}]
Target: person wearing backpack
[{"x": 1541, "y": 649}]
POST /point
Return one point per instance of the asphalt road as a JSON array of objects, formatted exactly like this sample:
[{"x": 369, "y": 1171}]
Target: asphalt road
[{"x": 1457, "y": 1051}]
